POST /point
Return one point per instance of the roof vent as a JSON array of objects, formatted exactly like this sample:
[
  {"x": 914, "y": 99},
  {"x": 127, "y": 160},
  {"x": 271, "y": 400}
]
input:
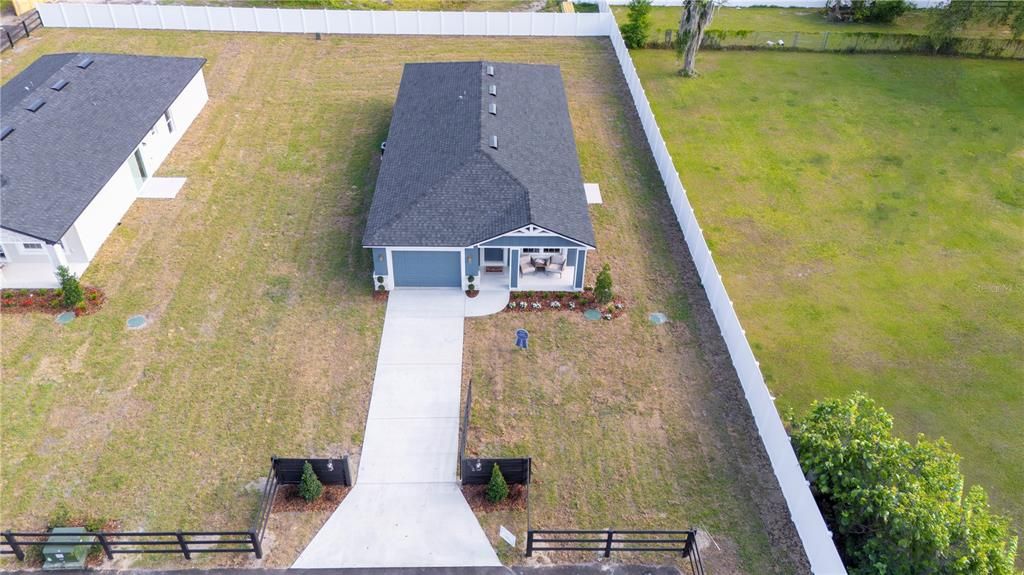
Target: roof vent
[
  {"x": 493, "y": 109},
  {"x": 6, "y": 132},
  {"x": 494, "y": 142},
  {"x": 86, "y": 62},
  {"x": 59, "y": 84},
  {"x": 34, "y": 104},
  {"x": 494, "y": 90},
  {"x": 490, "y": 70}
]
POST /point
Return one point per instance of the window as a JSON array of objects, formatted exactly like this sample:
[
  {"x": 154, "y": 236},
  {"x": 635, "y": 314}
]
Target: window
[
  {"x": 552, "y": 250},
  {"x": 531, "y": 250},
  {"x": 169, "y": 121},
  {"x": 32, "y": 246}
]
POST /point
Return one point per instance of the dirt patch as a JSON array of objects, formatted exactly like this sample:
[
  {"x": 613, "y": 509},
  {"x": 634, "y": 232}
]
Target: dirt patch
[
  {"x": 476, "y": 496},
  {"x": 288, "y": 499}
]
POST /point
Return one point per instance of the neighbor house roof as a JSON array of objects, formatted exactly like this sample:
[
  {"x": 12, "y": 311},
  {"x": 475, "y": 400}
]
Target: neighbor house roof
[
  {"x": 58, "y": 157},
  {"x": 443, "y": 183}
]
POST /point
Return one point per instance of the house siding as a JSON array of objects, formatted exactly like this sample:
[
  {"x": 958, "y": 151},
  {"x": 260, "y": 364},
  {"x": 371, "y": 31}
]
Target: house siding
[
  {"x": 380, "y": 262},
  {"x": 581, "y": 265},
  {"x": 472, "y": 257}
]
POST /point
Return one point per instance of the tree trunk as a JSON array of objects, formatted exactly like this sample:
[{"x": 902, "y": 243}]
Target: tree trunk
[{"x": 697, "y": 14}]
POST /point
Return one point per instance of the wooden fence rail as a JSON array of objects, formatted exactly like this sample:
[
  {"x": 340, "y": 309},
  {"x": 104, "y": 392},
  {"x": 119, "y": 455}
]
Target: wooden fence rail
[{"x": 12, "y": 33}]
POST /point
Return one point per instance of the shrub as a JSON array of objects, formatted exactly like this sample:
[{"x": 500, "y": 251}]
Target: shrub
[
  {"x": 896, "y": 507},
  {"x": 497, "y": 489},
  {"x": 380, "y": 279},
  {"x": 638, "y": 24},
  {"x": 472, "y": 287},
  {"x": 70, "y": 289},
  {"x": 471, "y": 278},
  {"x": 310, "y": 487},
  {"x": 603, "y": 285},
  {"x": 881, "y": 11}
]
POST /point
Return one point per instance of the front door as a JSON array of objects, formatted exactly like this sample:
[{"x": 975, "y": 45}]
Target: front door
[{"x": 138, "y": 169}]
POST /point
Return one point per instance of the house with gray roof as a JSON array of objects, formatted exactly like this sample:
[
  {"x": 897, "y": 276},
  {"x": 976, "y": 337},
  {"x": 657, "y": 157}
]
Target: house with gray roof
[
  {"x": 480, "y": 182},
  {"x": 81, "y": 136}
]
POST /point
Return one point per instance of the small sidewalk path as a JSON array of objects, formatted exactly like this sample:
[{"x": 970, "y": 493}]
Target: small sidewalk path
[{"x": 407, "y": 509}]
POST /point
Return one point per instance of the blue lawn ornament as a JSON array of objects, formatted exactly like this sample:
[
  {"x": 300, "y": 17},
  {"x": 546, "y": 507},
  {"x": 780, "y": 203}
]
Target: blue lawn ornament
[{"x": 522, "y": 339}]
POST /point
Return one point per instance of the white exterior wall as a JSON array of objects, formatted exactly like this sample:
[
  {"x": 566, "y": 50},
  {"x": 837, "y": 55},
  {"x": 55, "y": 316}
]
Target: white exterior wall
[{"x": 85, "y": 237}]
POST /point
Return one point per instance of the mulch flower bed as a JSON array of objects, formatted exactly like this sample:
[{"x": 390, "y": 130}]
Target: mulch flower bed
[
  {"x": 48, "y": 300},
  {"x": 529, "y": 301},
  {"x": 288, "y": 499},
  {"x": 380, "y": 295},
  {"x": 475, "y": 495}
]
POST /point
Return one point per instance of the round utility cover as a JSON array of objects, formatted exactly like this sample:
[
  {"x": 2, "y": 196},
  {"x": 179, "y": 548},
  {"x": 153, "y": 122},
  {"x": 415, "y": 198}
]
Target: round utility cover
[
  {"x": 592, "y": 314},
  {"x": 136, "y": 322},
  {"x": 66, "y": 317}
]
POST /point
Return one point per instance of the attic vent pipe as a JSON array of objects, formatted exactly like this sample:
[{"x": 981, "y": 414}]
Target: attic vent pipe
[
  {"x": 494, "y": 90},
  {"x": 494, "y": 142},
  {"x": 493, "y": 109},
  {"x": 490, "y": 70}
]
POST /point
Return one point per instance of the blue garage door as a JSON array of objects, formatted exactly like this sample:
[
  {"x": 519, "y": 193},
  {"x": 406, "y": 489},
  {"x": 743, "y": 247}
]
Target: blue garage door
[{"x": 427, "y": 269}]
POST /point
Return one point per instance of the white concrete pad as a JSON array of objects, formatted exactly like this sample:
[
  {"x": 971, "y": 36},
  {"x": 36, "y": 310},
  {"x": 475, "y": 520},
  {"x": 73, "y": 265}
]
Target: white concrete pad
[
  {"x": 409, "y": 450},
  {"x": 426, "y": 303},
  {"x": 20, "y": 275},
  {"x": 593, "y": 192},
  {"x": 410, "y": 525},
  {"x": 487, "y": 302},
  {"x": 416, "y": 391},
  {"x": 161, "y": 188},
  {"x": 421, "y": 340}
]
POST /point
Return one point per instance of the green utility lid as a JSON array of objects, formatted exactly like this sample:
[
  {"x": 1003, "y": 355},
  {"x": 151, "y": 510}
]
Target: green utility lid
[{"x": 59, "y": 554}]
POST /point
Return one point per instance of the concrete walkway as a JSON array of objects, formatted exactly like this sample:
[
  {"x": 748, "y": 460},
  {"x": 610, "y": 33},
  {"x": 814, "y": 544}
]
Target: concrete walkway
[{"x": 406, "y": 509}]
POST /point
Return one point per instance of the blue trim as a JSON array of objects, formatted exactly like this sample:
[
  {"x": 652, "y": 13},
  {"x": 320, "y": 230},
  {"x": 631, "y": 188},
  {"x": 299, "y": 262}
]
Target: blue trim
[
  {"x": 570, "y": 256},
  {"x": 380, "y": 262},
  {"x": 533, "y": 242},
  {"x": 581, "y": 264},
  {"x": 513, "y": 266},
  {"x": 472, "y": 267}
]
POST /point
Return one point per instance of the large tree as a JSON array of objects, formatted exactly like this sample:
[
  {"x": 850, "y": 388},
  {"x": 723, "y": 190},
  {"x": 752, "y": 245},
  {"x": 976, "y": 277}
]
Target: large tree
[
  {"x": 895, "y": 507},
  {"x": 697, "y": 15},
  {"x": 949, "y": 20}
]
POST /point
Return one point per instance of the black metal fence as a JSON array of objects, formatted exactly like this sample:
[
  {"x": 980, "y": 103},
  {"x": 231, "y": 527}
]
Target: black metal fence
[
  {"x": 288, "y": 471},
  {"x": 514, "y": 470},
  {"x": 23, "y": 29},
  {"x": 283, "y": 471},
  {"x": 464, "y": 426},
  {"x": 621, "y": 541},
  {"x": 186, "y": 543}
]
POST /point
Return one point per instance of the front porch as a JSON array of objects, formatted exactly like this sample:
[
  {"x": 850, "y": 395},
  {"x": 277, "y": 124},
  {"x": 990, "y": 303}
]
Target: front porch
[{"x": 531, "y": 269}]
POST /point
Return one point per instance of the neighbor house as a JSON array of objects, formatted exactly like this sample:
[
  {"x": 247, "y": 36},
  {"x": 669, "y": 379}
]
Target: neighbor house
[
  {"x": 82, "y": 135},
  {"x": 480, "y": 179}
]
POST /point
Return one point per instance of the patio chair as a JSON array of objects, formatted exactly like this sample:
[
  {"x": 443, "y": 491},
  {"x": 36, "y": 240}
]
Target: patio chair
[
  {"x": 556, "y": 264},
  {"x": 526, "y": 265}
]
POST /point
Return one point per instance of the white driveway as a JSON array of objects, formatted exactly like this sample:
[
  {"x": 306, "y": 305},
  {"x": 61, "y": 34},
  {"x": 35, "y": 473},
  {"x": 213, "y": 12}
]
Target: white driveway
[{"x": 406, "y": 509}]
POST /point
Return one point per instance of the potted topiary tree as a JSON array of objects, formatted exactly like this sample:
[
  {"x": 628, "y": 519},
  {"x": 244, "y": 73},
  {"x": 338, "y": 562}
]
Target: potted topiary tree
[{"x": 471, "y": 290}]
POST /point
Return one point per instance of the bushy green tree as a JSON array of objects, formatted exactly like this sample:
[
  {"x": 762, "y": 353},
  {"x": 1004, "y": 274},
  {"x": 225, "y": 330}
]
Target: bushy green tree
[
  {"x": 897, "y": 508},
  {"x": 949, "y": 20},
  {"x": 497, "y": 488},
  {"x": 603, "y": 285},
  {"x": 638, "y": 24},
  {"x": 70, "y": 290},
  {"x": 310, "y": 487}
]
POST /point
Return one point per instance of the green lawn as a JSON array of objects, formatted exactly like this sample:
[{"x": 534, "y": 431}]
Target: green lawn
[
  {"x": 867, "y": 214},
  {"x": 798, "y": 20},
  {"x": 264, "y": 336}
]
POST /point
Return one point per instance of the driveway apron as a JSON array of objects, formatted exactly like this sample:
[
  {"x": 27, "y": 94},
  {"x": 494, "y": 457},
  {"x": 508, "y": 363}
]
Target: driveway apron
[{"x": 406, "y": 509}]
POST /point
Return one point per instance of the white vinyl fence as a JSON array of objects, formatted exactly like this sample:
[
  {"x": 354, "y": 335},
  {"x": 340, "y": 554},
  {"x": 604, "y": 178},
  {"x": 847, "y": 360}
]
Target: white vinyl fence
[
  {"x": 230, "y": 19},
  {"x": 814, "y": 534}
]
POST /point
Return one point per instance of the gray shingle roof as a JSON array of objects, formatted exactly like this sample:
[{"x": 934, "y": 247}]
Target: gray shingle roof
[
  {"x": 58, "y": 158},
  {"x": 442, "y": 184}
]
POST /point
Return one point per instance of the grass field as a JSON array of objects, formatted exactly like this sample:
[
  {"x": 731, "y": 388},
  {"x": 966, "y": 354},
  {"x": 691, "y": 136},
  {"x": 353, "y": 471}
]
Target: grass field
[
  {"x": 867, "y": 213},
  {"x": 799, "y": 20},
  {"x": 263, "y": 336}
]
